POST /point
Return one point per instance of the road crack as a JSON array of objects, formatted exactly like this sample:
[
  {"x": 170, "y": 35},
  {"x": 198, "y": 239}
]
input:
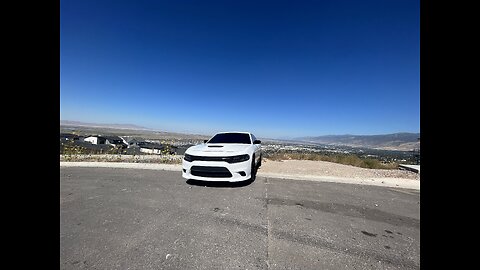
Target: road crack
[{"x": 268, "y": 223}]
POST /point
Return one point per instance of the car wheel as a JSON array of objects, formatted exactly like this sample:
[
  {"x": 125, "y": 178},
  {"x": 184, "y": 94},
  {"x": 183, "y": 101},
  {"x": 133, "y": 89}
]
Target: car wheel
[{"x": 253, "y": 171}]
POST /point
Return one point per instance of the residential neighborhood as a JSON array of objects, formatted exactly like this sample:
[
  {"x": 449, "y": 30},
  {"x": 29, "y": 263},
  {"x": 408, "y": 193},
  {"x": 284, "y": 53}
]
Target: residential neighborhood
[{"x": 120, "y": 144}]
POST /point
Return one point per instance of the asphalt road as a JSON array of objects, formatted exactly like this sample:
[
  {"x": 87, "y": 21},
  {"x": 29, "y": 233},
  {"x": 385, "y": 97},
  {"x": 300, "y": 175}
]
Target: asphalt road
[{"x": 114, "y": 218}]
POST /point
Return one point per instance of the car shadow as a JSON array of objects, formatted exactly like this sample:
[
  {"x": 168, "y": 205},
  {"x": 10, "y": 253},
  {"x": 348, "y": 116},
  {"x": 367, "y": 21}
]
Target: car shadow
[{"x": 222, "y": 184}]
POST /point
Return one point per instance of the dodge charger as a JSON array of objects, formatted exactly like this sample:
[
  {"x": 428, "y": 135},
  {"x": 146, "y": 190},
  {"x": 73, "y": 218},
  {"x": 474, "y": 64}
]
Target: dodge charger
[{"x": 227, "y": 156}]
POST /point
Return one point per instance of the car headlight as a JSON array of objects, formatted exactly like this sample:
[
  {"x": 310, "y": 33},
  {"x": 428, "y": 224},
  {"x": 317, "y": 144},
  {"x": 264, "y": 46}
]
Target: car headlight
[
  {"x": 188, "y": 158},
  {"x": 236, "y": 159}
]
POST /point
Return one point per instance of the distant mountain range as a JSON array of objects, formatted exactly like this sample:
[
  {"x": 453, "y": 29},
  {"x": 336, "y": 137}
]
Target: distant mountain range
[
  {"x": 396, "y": 141},
  {"x": 116, "y": 126}
]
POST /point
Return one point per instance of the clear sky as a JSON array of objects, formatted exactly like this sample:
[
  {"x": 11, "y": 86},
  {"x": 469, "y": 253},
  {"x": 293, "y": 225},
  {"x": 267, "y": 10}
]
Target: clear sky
[{"x": 276, "y": 68}]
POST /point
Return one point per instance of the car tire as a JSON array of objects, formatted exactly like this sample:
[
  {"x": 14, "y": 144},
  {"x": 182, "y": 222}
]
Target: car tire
[{"x": 253, "y": 171}]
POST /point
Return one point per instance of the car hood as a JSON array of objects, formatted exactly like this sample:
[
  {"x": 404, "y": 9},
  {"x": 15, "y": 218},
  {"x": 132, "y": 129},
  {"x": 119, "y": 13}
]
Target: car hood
[{"x": 217, "y": 149}]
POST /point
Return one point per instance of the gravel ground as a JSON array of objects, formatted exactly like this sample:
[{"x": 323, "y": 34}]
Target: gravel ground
[
  {"x": 164, "y": 159},
  {"x": 324, "y": 168}
]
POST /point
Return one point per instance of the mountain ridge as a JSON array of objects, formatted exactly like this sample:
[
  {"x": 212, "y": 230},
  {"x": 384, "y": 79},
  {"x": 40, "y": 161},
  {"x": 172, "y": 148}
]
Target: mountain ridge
[
  {"x": 404, "y": 141},
  {"x": 103, "y": 125}
]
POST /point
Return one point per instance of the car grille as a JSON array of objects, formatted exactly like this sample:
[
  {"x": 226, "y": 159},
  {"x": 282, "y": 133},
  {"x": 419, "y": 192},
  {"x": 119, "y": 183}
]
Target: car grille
[
  {"x": 204, "y": 171},
  {"x": 195, "y": 158},
  {"x": 230, "y": 159}
]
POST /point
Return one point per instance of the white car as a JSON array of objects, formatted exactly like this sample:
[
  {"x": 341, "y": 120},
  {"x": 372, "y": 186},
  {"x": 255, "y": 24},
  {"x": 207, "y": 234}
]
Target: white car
[{"x": 227, "y": 156}]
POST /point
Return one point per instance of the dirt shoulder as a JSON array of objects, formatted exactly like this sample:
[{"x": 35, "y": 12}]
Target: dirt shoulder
[
  {"x": 332, "y": 172},
  {"x": 324, "y": 168}
]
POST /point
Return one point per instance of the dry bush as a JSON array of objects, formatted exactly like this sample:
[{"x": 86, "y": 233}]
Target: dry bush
[{"x": 349, "y": 159}]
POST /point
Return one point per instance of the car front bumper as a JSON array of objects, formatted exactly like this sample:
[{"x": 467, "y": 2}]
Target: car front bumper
[{"x": 216, "y": 170}]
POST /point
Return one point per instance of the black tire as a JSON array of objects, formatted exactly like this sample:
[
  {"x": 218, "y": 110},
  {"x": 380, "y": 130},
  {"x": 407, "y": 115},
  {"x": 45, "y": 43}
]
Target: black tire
[{"x": 253, "y": 171}]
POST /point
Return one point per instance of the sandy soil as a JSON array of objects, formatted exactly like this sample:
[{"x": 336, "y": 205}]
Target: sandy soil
[
  {"x": 332, "y": 172},
  {"x": 324, "y": 168}
]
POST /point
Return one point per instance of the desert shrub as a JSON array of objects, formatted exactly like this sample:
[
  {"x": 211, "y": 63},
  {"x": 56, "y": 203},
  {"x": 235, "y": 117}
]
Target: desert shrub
[{"x": 346, "y": 159}]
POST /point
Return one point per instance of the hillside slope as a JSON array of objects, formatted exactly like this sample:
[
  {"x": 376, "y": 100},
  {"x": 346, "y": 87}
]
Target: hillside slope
[{"x": 396, "y": 141}]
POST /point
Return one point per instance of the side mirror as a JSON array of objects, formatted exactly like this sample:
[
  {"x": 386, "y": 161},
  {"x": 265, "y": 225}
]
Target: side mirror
[
  {"x": 257, "y": 142},
  {"x": 205, "y": 141}
]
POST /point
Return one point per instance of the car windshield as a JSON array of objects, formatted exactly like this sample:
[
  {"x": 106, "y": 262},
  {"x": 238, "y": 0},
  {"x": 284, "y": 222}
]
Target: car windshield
[{"x": 242, "y": 138}]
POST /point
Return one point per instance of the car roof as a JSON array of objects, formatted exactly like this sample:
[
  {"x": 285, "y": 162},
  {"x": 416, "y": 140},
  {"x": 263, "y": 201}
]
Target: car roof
[{"x": 242, "y": 132}]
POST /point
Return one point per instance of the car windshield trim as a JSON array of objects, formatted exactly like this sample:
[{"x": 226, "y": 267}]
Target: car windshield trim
[{"x": 231, "y": 138}]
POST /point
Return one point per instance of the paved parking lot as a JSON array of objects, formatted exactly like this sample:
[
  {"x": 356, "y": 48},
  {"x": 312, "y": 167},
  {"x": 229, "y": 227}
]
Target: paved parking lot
[{"x": 114, "y": 218}]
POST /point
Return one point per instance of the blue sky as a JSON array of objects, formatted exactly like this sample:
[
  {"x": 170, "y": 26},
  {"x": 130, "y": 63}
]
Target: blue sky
[{"x": 275, "y": 68}]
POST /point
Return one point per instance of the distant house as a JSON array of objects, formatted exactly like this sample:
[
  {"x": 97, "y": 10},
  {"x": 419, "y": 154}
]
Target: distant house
[
  {"x": 135, "y": 145},
  {"x": 125, "y": 139},
  {"x": 68, "y": 137},
  {"x": 95, "y": 139},
  {"x": 88, "y": 147},
  {"x": 109, "y": 140},
  {"x": 115, "y": 141},
  {"x": 151, "y": 148},
  {"x": 133, "y": 141},
  {"x": 154, "y": 148}
]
